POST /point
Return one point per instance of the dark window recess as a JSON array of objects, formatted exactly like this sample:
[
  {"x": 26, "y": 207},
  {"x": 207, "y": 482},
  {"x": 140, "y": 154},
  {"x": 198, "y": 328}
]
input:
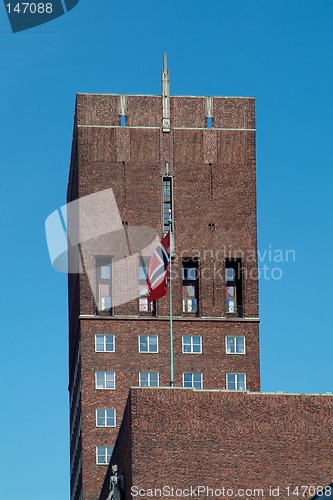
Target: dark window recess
[
  {"x": 103, "y": 284},
  {"x": 233, "y": 287},
  {"x": 167, "y": 203},
  {"x": 190, "y": 285}
]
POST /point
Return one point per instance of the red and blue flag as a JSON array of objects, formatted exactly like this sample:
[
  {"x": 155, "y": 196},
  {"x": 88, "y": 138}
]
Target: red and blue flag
[{"x": 158, "y": 271}]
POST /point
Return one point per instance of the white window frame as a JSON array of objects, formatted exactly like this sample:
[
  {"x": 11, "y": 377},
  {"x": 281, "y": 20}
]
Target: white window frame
[
  {"x": 148, "y": 342},
  {"x": 106, "y": 410},
  {"x": 234, "y": 337},
  {"x": 149, "y": 384},
  {"x": 104, "y": 341},
  {"x": 192, "y": 376},
  {"x": 107, "y": 453},
  {"x": 191, "y": 344},
  {"x": 144, "y": 305},
  {"x": 105, "y": 381},
  {"x": 236, "y": 381}
]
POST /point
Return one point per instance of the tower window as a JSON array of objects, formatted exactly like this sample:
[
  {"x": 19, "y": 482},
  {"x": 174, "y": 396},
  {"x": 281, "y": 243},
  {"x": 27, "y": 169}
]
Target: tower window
[
  {"x": 105, "y": 417},
  {"x": 103, "y": 284},
  {"x": 104, "y": 343},
  {"x": 103, "y": 454},
  {"x": 193, "y": 380},
  {"x": 105, "y": 380},
  {"x": 233, "y": 287},
  {"x": 236, "y": 381},
  {"x": 167, "y": 203},
  {"x": 190, "y": 285},
  {"x": 144, "y": 305},
  {"x": 192, "y": 344},
  {"x": 148, "y": 379},
  {"x": 235, "y": 345},
  {"x": 148, "y": 343}
]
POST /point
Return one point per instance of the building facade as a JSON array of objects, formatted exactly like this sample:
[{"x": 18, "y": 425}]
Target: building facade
[
  {"x": 192, "y": 159},
  {"x": 227, "y": 445}
]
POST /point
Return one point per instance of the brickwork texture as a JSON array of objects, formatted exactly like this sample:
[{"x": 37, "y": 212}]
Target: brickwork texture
[{"x": 267, "y": 444}]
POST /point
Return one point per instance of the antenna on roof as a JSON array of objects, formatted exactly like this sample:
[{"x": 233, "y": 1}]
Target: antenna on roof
[{"x": 165, "y": 95}]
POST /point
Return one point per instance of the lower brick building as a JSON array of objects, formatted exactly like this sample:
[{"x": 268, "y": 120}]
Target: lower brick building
[{"x": 183, "y": 443}]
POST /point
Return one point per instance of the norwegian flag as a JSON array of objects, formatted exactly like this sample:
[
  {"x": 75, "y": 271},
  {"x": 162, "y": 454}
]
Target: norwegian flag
[{"x": 158, "y": 271}]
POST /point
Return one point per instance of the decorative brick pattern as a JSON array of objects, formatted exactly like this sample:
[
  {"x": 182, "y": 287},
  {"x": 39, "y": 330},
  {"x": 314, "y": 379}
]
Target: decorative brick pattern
[
  {"x": 233, "y": 113},
  {"x": 188, "y": 112},
  {"x": 97, "y": 109},
  {"x": 144, "y": 111}
]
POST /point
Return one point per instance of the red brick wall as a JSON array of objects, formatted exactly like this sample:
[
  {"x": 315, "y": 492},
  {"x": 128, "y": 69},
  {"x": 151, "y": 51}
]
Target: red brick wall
[
  {"x": 127, "y": 362},
  {"x": 182, "y": 437},
  {"x": 223, "y": 193},
  {"x": 123, "y": 448},
  {"x": 146, "y": 111},
  {"x": 213, "y": 182}
]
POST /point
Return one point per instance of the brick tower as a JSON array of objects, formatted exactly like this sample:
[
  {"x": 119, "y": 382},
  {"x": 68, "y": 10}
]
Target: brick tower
[{"x": 193, "y": 158}]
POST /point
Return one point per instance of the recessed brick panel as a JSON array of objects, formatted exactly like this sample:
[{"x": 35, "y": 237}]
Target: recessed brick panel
[
  {"x": 97, "y": 109},
  {"x": 188, "y": 112},
  {"x": 144, "y": 111},
  {"x": 233, "y": 113}
]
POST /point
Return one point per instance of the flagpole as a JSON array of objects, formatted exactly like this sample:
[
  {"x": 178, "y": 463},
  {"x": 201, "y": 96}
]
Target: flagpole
[{"x": 170, "y": 288}]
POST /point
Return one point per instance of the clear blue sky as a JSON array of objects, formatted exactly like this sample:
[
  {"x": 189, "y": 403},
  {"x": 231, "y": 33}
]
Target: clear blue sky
[{"x": 280, "y": 52}]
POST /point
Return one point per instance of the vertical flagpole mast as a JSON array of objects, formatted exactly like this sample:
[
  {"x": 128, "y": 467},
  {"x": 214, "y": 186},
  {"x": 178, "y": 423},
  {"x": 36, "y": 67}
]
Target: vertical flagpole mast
[
  {"x": 166, "y": 128},
  {"x": 170, "y": 288}
]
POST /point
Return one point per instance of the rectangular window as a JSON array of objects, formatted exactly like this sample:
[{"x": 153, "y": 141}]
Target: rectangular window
[
  {"x": 105, "y": 380},
  {"x": 235, "y": 345},
  {"x": 148, "y": 343},
  {"x": 192, "y": 380},
  {"x": 144, "y": 305},
  {"x": 148, "y": 379},
  {"x": 103, "y": 284},
  {"x": 236, "y": 381},
  {"x": 104, "y": 343},
  {"x": 233, "y": 287},
  {"x": 190, "y": 285},
  {"x": 106, "y": 417},
  {"x": 192, "y": 344},
  {"x": 103, "y": 454},
  {"x": 105, "y": 272},
  {"x": 167, "y": 203}
]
